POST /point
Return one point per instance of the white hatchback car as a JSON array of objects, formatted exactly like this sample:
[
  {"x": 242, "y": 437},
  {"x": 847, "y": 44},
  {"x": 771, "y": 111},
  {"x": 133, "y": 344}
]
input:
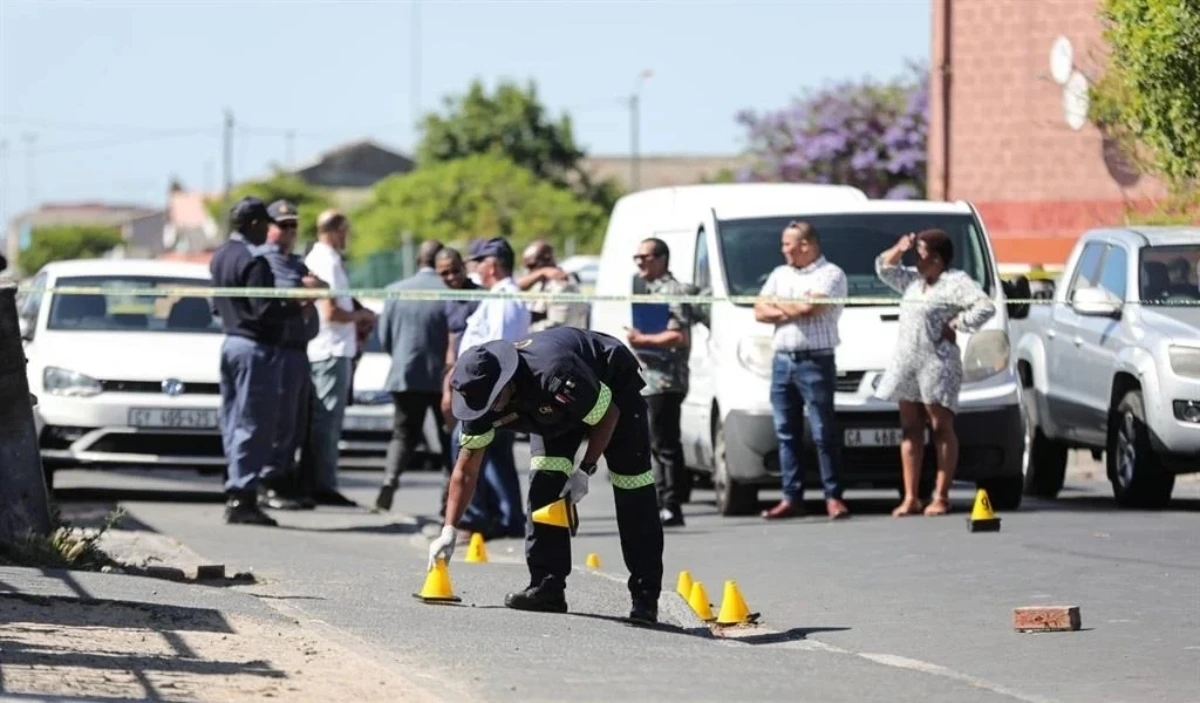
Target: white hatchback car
[{"x": 123, "y": 379}]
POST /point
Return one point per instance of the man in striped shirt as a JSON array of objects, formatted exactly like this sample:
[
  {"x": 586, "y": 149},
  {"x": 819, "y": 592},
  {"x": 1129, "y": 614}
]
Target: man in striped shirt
[{"x": 803, "y": 371}]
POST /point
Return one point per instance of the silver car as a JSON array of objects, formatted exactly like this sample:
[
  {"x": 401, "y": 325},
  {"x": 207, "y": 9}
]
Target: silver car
[{"x": 1113, "y": 365}]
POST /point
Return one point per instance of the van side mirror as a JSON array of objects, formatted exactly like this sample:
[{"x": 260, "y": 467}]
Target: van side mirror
[{"x": 1017, "y": 289}]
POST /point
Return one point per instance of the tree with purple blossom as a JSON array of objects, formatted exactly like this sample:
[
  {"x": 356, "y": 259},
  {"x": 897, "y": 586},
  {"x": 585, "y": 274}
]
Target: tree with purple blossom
[{"x": 868, "y": 134}]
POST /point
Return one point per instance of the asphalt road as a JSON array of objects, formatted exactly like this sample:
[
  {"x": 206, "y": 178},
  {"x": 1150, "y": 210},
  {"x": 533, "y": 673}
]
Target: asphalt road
[{"x": 870, "y": 609}]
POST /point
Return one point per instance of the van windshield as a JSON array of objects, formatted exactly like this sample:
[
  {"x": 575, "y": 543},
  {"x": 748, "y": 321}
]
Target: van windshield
[{"x": 750, "y": 247}]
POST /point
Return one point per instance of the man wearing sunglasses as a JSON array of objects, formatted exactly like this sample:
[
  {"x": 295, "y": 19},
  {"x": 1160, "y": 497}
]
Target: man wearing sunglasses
[{"x": 287, "y": 492}]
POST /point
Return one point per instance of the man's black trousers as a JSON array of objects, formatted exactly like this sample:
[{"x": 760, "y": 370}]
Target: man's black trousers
[
  {"x": 671, "y": 476},
  {"x": 548, "y": 548}
]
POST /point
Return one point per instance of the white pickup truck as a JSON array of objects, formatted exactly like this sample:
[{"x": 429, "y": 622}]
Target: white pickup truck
[{"x": 1113, "y": 364}]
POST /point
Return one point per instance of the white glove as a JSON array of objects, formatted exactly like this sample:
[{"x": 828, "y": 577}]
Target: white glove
[
  {"x": 443, "y": 546},
  {"x": 576, "y": 488}
]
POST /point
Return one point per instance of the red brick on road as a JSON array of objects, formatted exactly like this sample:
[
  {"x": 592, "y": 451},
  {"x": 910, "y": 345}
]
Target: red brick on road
[{"x": 1046, "y": 618}]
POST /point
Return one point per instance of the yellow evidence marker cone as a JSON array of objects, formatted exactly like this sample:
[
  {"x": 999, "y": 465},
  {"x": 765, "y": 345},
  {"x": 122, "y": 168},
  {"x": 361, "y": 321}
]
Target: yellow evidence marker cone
[
  {"x": 698, "y": 600},
  {"x": 476, "y": 551},
  {"x": 684, "y": 585},
  {"x": 983, "y": 518},
  {"x": 733, "y": 607},
  {"x": 593, "y": 560},
  {"x": 437, "y": 586},
  {"x": 558, "y": 514}
]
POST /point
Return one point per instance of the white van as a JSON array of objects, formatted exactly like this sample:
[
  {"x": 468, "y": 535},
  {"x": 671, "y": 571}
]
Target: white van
[{"x": 725, "y": 240}]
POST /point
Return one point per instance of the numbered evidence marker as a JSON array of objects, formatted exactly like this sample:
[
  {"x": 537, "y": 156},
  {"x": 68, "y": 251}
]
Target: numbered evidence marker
[{"x": 983, "y": 518}]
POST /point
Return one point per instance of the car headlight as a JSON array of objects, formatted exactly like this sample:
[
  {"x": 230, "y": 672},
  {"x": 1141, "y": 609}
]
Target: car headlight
[
  {"x": 58, "y": 381},
  {"x": 372, "y": 398},
  {"x": 756, "y": 355},
  {"x": 1185, "y": 361},
  {"x": 987, "y": 355}
]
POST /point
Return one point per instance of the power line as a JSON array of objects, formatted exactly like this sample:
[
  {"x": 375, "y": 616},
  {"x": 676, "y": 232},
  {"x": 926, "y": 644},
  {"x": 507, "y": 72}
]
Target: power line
[
  {"x": 33, "y": 123},
  {"x": 112, "y": 143}
]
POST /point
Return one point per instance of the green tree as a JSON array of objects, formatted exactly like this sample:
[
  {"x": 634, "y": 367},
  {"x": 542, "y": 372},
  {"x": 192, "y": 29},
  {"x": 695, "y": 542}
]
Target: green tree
[
  {"x": 513, "y": 122},
  {"x": 309, "y": 200},
  {"x": 476, "y": 196},
  {"x": 1147, "y": 97},
  {"x": 67, "y": 242}
]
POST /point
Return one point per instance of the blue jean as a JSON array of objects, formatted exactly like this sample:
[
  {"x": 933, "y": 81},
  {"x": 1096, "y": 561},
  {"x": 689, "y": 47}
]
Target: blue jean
[
  {"x": 293, "y": 408},
  {"x": 497, "y": 501},
  {"x": 800, "y": 379},
  {"x": 330, "y": 391},
  {"x": 250, "y": 375}
]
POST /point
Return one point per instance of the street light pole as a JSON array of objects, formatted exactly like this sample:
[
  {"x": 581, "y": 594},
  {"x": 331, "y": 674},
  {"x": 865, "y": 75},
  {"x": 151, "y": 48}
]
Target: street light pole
[{"x": 635, "y": 166}]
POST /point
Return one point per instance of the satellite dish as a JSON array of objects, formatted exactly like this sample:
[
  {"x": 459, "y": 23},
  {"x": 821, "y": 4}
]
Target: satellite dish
[
  {"x": 1062, "y": 60},
  {"x": 1076, "y": 101}
]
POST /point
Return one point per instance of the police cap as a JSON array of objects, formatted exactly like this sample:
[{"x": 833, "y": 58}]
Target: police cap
[
  {"x": 497, "y": 247},
  {"x": 479, "y": 375},
  {"x": 283, "y": 211}
]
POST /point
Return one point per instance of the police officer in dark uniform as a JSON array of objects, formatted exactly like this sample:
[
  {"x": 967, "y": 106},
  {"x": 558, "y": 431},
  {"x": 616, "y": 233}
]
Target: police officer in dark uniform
[
  {"x": 562, "y": 385},
  {"x": 250, "y": 368}
]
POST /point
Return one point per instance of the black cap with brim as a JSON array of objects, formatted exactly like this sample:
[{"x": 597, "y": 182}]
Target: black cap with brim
[{"x": 479, "y": 375}]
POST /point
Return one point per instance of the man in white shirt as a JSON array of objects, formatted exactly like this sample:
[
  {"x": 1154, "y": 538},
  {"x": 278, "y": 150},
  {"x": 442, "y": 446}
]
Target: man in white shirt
[
  {"x": 330, "y": 354},
  {"x": 495, "y": 318},
  {"x": 803, "y": 372}
]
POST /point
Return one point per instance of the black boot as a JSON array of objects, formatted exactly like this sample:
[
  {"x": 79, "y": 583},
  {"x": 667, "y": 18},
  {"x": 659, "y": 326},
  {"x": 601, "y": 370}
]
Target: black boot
[
  {"x": 383, "y": 502},
  {"x": 539, "y": 598},
  {"x": 242, "y": 509},
  {"x": 645, "y": 609}
]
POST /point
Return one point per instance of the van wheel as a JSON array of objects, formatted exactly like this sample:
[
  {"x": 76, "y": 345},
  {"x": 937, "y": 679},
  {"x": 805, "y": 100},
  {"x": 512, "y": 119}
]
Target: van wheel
[
  {"x": 1137, "y": 476},
  {"x": 1044, "y": 460},
  {"x": 732, "y": 498}
]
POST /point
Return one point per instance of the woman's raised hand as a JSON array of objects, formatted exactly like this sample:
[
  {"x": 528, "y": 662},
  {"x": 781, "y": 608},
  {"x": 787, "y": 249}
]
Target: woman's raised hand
[{"x": 906, "y": 242}]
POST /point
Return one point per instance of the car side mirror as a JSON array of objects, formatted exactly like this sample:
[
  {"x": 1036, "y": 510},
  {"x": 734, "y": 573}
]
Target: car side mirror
[
  {"x": 1096, "y": 302},
  {"x": 1018, "y": 289}
]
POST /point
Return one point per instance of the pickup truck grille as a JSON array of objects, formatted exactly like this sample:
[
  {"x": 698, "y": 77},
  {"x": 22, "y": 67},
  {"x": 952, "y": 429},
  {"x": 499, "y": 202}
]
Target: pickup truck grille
[
  {"x": 847, "y": 381},
  {"x": 156, "y": 387}
]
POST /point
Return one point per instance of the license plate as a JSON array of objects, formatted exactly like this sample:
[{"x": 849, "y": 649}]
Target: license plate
[
  {"x": 873, "y": 437},
  {"x": 174, "y": 418},
  {"x": 367, "y": 423}
]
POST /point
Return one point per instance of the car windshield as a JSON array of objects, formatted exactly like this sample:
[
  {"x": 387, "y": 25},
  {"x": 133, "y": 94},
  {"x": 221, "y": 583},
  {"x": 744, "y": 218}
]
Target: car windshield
[
  {"x": 1171, "y": 273},
  {"x": 120, "y": 311},
  {"x": 750, "y": 247}
]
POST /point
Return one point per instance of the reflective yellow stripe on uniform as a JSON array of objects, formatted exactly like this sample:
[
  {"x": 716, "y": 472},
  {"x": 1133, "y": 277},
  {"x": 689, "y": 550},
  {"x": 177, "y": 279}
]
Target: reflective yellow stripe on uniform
[
  {"x": 629, "y": 483},
  {"x": 476, "y": 441},
  {"x": 551, "y": 463},
  {"x": 601, "y": 406}
]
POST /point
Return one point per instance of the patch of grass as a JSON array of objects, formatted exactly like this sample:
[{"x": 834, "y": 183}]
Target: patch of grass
[{"x": 66, "y": 547}]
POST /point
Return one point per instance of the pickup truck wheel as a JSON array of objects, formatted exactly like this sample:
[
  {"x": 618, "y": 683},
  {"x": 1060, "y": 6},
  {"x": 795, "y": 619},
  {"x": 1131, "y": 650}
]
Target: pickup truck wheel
[
  {"x": 1044, "y": 461},
  {"x": 732, "y": 498},
  {"x": 1138, "y": 478},
  {"x": 1004, "y": 493}
]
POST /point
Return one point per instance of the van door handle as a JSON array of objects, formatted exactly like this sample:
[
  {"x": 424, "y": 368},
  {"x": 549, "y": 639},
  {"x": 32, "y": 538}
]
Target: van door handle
[
  {"x": 1079, "y": 341},
  {"x": 1051, "y": 334}
]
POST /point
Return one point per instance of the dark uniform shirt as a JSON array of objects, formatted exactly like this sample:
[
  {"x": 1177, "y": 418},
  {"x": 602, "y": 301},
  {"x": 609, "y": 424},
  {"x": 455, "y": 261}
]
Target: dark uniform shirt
[
  {"x": 238, "y": 264},
  {"x": 457, "y": 312},
  {"x": 666, "y": 370},
  {"x": 565, "y": 377},
  {"x": 288, "y": 269}
]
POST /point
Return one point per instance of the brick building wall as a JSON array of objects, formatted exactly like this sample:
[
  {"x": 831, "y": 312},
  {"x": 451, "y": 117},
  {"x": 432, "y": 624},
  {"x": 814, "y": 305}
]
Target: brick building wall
[{"x": 1037, "y": 180}]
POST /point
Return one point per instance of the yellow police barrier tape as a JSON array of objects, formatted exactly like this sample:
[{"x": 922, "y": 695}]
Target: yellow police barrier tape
[{"x": 482, "y": 294}]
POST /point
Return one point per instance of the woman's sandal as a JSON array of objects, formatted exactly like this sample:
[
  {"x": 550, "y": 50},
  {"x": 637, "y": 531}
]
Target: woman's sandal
[
  {"x": 938, "y": 506},
  {"x": 908, "y": 508}
]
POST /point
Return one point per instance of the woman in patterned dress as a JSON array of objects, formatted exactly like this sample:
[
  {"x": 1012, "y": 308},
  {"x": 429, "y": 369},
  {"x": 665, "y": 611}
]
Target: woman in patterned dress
[{"x": 925, "y": 374}]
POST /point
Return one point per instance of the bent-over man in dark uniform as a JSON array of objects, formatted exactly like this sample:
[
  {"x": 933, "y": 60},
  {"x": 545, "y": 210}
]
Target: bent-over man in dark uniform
[
  {"x": 562, "y": 386},
  {"x": 250, "y": 368}
]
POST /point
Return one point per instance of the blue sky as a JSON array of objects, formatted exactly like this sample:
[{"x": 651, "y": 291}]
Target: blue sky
[{"x": 120, "y": 96}]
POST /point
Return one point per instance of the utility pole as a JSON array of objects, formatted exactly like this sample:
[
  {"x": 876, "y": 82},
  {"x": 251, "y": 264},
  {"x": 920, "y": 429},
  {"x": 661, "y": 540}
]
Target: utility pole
[
  {"x": 635, "y": 166},
  {"x": 415, "y": 78},
  {"x": 228, "y": 189}
]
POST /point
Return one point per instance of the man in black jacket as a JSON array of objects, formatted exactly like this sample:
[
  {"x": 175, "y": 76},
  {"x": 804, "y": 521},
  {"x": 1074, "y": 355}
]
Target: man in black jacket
[{"x": 250, "y": 359}]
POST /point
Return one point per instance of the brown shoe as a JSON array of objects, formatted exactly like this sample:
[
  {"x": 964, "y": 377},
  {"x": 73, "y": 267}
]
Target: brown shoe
[
  {"x": 784, "y": 509},
  {"x": 837, "y": 509}
]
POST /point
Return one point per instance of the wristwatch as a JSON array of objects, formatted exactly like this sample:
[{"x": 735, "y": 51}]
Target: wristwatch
[{"x": 589, "y": 469}]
